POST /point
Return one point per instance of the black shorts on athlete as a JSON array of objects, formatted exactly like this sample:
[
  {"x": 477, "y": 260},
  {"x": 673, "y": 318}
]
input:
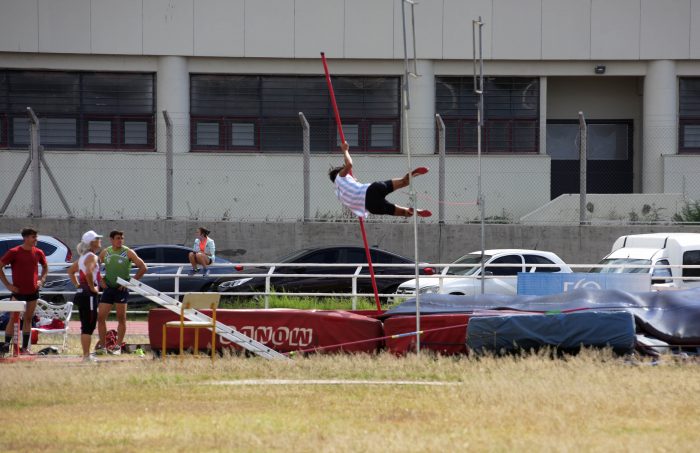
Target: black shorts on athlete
[
  {"x": 26, "y": 297},
  {"x": 114, "y": 295},
  {"x": 375, "y": 199},
  {"x": 87, "y": 307}
]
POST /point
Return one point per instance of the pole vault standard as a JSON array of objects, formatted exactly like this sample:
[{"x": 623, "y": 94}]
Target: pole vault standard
[
  {"x": 342, "y": 140},
  {"x": 407, "y": 145},
  {"x": 479, "y": 89}
]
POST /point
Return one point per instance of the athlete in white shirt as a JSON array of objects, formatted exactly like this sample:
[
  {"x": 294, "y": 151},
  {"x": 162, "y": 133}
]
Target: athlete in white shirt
[{"x": 360, "y": 198}]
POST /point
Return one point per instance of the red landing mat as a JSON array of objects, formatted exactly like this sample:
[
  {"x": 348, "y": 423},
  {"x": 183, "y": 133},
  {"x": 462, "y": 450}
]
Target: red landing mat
[
  {"x": 443, "y": 341},
  {"x": 283, "y": 330}
]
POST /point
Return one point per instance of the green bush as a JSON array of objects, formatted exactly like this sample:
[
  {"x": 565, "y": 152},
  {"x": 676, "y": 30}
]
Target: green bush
[
  {"x": 690, "y": 213},
  {"x": 301, "y": 303}
]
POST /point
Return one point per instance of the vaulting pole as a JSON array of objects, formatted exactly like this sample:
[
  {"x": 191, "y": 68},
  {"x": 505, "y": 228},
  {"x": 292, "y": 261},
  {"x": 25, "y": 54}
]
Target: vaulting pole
[{"x": 342, "y": 140}]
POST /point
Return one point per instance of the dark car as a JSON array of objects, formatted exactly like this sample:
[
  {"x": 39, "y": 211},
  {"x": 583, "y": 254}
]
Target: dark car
[
  {"x": 159, "y": 253},
  {"x": 326, "y": 255}
]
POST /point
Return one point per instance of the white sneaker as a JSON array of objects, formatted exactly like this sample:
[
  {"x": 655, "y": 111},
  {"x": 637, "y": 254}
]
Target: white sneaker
[
  {"x": 116, "y": 350},
  {"x": 90, "y": 359}
]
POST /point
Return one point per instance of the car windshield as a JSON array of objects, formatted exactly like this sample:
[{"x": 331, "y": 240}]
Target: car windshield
[
  {"x": 467, "y": 259},
  {"x": 292, "y": 257},
  {"x": 622, "y": 270}
]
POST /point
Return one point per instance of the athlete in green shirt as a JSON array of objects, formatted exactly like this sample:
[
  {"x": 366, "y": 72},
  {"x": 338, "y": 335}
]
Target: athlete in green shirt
[{"x": 117, "y": 260}]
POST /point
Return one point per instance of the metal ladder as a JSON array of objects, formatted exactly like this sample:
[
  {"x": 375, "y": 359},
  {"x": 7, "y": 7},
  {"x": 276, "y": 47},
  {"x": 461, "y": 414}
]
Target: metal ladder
[{"x": 222, "y": 330}]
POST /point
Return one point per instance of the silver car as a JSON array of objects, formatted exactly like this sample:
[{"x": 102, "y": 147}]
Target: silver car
[{"x": 500, "y": 279}]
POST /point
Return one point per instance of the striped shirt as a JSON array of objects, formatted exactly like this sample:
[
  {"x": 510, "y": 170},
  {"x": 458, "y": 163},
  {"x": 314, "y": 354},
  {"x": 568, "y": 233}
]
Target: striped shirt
[{"x": 352, "y": 194}]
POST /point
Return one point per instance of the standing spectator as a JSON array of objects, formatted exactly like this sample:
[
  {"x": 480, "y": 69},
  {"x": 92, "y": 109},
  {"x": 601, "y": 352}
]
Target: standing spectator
[
  {"x": 24, "y": 261},
  {"x": 88, "y": 287},
  {"x": 203, "y": 253},
  {"x": 117, "y": 259}
]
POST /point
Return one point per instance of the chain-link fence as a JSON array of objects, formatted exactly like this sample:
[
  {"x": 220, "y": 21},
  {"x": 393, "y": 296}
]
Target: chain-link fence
[{"x": 215, "y": 169}]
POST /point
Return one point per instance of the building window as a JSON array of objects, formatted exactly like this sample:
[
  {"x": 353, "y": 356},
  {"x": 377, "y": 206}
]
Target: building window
[
  {"x": 78, "y": 109},
  {"x": 3, "y": 131},
  {"x": 99, "y": 132},
  {"x": 607, "y": 140},
  {"x": 243, "y": 135},
  {"x": 382, "y": 135},
  {"x": 689, "y": 115},
  {"x": 207, "y": 133},
  {"x": 20, "y": 131},
  {"x": 261, "y": 113},
  {"x": 59, "y": 131},
  {"x": 691, "y": 136},
  {"x": 511, "y": 114},
  {"x": 135, "y": 132},
  {"x": 352, "y": 135},
  {"x": 3, "y": 110}
]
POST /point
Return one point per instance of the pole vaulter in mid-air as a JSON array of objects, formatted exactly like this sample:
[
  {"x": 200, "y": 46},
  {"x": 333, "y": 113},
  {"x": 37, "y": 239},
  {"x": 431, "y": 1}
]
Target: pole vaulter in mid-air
[
  {"x": 361, "y": 198},
  {"x": 347, "y": 169}
]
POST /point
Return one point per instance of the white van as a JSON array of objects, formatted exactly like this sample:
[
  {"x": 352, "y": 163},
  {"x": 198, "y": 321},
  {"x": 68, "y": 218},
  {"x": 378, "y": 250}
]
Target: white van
[{"x": 651, "y": 252}]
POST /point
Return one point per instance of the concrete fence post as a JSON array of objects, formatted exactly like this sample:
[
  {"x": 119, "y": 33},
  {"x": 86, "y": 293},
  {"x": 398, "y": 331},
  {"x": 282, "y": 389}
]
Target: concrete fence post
[
  {"x": 583, "y": 160},
  {"x": 306, "y": 131},
  {"x": 35, "y": 169},
  {"x": 168, "y": 165},
  {"x": 441, "y": 167}
]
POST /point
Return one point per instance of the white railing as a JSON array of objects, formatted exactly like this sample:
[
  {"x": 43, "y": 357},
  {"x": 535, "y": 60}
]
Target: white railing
[{"x": 272, "y": 272}]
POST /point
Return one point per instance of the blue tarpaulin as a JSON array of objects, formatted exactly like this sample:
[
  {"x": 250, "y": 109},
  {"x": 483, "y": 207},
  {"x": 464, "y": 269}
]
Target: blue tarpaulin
[
  {"x": 670, "y": 316},
  {"x": 566, "y": 332}
]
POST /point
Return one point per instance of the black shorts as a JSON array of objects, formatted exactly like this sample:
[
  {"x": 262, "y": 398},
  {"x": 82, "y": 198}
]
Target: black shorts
[
  {"x": 209, "y": 257},
  {"x": 26, "y": 297},
  {"x": 375, "y": 201},
  {"x": 87, "y": 307},
  {"x": 114, "y": 295}
]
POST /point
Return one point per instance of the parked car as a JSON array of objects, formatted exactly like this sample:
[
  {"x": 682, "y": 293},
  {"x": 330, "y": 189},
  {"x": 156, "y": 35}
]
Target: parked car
[
  {"x": 160, "y": 253},
  {"x": 500, "y": 280},
  {"x": 58, "y": 254},
  {"x": 653, "y": 252},
  {"x": 56, "y": 251},
  {"x": 326, "y": 255}
]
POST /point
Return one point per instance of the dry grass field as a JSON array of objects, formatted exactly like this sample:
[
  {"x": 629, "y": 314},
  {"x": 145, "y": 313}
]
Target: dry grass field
[{"x": 591, "y": 402}]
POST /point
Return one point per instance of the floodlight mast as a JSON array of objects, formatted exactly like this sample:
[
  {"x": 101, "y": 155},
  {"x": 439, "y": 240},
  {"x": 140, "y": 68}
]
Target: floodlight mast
[{"x": 478, "y": 70}]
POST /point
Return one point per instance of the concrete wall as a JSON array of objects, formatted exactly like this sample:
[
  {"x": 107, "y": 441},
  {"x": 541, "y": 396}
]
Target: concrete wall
[
  {"x": 606, "y": 98},
  {"x": 681, "y": 175},
  {"x": 251, "y": 187},
  {"x": 264, "y": 242},
  {"x": 516, "y": 29}
]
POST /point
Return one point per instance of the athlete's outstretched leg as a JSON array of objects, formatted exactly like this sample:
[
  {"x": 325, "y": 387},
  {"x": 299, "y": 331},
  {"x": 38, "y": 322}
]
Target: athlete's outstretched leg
[
  {"x": 399, "y": 183},
  {"x": 400, "y": 211}
]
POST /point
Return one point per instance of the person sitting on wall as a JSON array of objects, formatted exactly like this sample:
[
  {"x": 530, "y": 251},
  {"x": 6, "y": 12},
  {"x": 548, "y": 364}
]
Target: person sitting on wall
[{"x": 203, "y": 252}]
